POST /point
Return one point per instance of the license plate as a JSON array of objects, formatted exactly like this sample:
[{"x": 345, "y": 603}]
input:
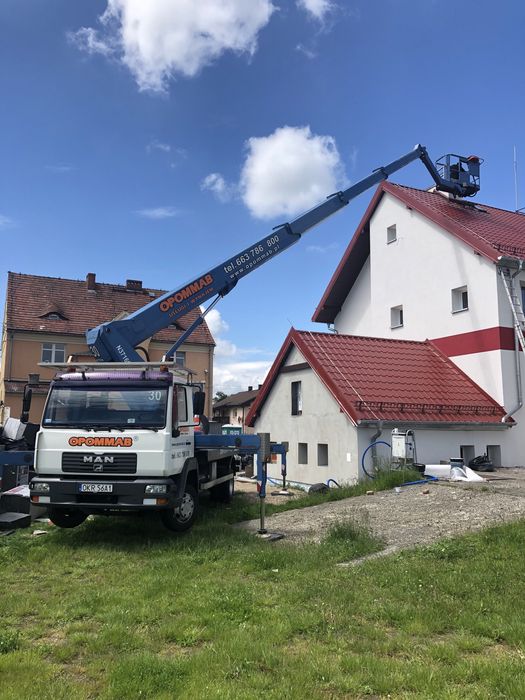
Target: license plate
[{"x": 95, "y": 488}]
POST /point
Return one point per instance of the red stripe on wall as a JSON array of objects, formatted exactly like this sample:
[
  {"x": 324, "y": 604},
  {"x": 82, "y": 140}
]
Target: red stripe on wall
[{"x": 498, "y": 338}]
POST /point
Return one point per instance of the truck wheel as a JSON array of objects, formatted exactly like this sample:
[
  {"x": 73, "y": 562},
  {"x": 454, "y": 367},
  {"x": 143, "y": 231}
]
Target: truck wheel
[
  {"x": 182, "y": 517},
  {"x": 62, "y": 517},
  {"x": 223, "y": 492}
]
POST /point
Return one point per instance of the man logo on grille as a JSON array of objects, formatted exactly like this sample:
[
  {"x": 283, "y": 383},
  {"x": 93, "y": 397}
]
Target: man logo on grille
[{"x": 98, "y": 461}]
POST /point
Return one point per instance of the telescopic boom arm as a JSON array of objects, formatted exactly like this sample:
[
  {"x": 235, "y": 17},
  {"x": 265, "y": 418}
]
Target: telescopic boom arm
[{"x": 116, "y": 341}]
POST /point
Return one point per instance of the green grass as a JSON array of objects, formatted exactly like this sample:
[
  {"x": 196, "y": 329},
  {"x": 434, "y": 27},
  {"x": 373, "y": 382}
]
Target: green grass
[{"x": 119, "y": 608}]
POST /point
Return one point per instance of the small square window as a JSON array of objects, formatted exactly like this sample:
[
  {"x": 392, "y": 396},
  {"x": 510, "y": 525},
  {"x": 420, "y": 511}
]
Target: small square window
[
  {"x": 180, "y": 359},
  {"x": 302, "y": 453},
  {"x": 322, "y": 454},
  {"x": 391, "y": 234},
  {"x": 459, "y": 299},
  {"x": 396, "y": 317}
]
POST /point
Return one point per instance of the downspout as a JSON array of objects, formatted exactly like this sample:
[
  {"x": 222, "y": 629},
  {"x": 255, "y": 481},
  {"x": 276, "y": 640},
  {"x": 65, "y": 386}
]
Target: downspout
[
  {"x": 375, "y": 437},
  {"x": 517, "y": 362}
]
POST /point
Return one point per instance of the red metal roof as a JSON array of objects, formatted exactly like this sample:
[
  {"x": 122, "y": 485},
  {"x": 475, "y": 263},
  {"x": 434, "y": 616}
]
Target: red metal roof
[
  {"x": 489, "y": 231},
  {"x": 31, "y": 297},
  {"x": 384, "y": 379}
]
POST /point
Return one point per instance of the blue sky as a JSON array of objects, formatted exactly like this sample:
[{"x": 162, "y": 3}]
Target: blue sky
[{"x": 152, "y": 140}]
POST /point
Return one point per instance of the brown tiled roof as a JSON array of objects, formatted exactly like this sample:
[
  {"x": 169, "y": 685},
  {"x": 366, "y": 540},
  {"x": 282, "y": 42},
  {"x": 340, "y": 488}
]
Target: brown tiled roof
[
  {"x": 242, "y": 398},
  {"x": 391, "y": 380},
  {"x": 31, "y": 297}
]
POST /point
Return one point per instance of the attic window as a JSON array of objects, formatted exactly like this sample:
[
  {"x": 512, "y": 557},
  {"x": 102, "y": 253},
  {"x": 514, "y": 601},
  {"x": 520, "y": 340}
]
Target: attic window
[
  {"x": 391, "y": 234},
  {"x": 459, "y": 299},
  {"x": 396, "y": 316},
  {"x": 54, "y": 317}
]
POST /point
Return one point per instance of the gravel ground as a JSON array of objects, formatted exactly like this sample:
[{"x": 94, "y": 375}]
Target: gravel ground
[{"x": 412, "y": 517}]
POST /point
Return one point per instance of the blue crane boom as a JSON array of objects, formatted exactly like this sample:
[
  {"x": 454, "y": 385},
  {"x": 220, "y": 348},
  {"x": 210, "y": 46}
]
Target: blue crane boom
[{"x": 117, "y": 341}]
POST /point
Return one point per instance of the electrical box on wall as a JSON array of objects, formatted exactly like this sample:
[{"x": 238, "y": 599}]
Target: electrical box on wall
[{"x": 403, "y": 446}]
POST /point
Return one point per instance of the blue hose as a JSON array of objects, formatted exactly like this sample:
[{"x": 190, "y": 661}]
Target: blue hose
[
  {"x": 333, "y": 482},
  {"x": 378, "y": 442}
]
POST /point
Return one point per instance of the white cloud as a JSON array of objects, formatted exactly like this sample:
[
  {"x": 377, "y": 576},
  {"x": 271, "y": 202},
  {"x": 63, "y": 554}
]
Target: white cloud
[
  {"x": 158, "y": 146},
  {"x": 159, "y": 40},
  {"x": 158, "y": 213},
  {"x": 216, "y": 323},
  {"x": 234, "y": 368},
  {"x": 231, "y": 377},
  {"x": 321, "y": 248},
  {"x": 60, "y": 168},
  {"x": 289, "y": 171},
  {"x": 318, "y": 9},
  {"x": 6, "y": 222},
  {"x": 215, "y": 182}
]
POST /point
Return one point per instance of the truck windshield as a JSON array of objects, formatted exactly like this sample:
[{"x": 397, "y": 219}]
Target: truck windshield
[{"x": 100, "y": 407}]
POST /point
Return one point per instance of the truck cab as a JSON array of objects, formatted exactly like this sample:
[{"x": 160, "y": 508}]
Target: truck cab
[{"x": 122, "y": 440}]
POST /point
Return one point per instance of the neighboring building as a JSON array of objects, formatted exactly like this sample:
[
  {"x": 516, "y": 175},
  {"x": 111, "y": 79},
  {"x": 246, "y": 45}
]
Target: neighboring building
[
  {"x": 46, "y": 318},
  {"x": 425, "y": 265},
  {"x": 233, "y": 409},
  {"x": 331, "y": 395}
]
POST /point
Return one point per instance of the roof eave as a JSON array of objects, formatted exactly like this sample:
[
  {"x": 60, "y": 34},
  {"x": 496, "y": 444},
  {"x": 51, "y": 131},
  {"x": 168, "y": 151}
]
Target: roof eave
[{"x": 436, "y": 425}]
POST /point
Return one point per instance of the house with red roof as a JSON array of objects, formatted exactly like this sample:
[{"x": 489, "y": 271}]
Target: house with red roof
[
  {"x": 419, "y": 321},
  {"x": 46, "y": 319}
]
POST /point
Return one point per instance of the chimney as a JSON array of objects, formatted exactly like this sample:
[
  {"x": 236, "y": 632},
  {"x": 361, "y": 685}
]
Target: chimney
[
  {"x": 134, "y": 285},
  {"x": 91, "y": 281},
  {"x": 260, "y": 386},
  {"x": 250, "y": 388}
]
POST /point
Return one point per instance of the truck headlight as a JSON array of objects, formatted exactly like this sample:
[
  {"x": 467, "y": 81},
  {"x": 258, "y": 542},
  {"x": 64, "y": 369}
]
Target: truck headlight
[
  {"x": 39, "y": 487},
  {"x": 156, "y": 488}
]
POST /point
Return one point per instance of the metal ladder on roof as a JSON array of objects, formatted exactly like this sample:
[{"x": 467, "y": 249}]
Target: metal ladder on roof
[{"x": 515, "y": 304}]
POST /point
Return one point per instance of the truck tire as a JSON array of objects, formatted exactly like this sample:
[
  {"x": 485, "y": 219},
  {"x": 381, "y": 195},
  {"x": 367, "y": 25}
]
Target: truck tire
[
  {"x": 63, "y": 517},
  {"x": 223, "y": 493},
  {"x": 182, "y": 517}
]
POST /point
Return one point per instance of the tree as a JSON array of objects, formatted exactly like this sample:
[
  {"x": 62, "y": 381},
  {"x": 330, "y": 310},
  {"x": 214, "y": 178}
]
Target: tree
[{"x": 219, "y": 396}]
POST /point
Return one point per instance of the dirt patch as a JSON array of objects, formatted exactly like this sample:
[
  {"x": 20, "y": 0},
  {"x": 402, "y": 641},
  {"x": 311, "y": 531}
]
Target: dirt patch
[
  {"x": 249, "y": 491},
  {"x": 411, "y": 517}
]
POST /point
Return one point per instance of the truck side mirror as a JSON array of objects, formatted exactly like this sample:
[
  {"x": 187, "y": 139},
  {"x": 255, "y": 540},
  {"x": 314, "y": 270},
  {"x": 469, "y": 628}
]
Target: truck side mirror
[
  {"x": 199, "y": 400},
  {"x": 26, "y": 404}
]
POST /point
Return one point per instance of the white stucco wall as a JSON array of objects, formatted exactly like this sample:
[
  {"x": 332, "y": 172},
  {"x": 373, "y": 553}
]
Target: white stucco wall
[
  {"x": 321, "y": 422},
  {"x": 418, "y": 271},
  {"x": 434, "y": 446}
]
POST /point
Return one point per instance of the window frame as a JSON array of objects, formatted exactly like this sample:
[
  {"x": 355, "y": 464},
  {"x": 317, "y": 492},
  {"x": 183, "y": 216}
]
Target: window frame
[
  {"x": 296, "y": 395},
  {"x": 458, "y": 295},
  {"x": 322, "y": 453},
  {"x": 389, "y": 230},
  {"x": 52, "y": 348},
  {"x": 401, "y": 319},
  {"x": 302, "y": 453}
]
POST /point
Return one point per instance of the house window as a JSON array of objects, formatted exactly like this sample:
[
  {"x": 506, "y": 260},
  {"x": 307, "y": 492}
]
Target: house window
[
  {"x": 494, "y": 454},
  {"x": 459, "y": 299},
  {"x": 391, "y": 234},
  {"x": 53, "y": 352},
  {"x": 180, "y": 359},
  {"x": 302, "y": 453},
  {"x": 396, "y": 317},
  {"x": 467, "y": 453},
  {"x": 523, "y": 297},
  {"x": 297, "y": 399},
  {"x": 322, "y": 455}
]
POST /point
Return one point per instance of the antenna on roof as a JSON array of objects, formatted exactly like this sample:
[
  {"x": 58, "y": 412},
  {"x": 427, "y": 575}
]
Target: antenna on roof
[{"x": 516, "y": 179}]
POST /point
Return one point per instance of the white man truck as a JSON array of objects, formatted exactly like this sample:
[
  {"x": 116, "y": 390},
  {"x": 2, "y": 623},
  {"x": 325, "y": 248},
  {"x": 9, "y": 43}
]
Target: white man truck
[{"x": 124, "y": 440}]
